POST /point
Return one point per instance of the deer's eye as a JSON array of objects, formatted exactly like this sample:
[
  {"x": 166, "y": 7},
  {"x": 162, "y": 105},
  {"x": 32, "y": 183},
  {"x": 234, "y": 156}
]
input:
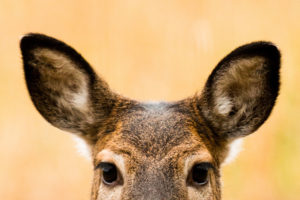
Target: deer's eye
[
  {"x": 198, "y": 175},
  {"x": 110, "y": 174}
]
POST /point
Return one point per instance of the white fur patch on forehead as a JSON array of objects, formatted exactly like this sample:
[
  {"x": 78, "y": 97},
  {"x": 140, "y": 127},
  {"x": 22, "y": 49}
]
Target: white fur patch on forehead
[{"x": 235, "y": 148}]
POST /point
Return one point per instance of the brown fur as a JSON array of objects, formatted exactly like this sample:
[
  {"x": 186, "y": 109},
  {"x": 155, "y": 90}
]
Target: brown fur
[{"x": 153, "y": 145}]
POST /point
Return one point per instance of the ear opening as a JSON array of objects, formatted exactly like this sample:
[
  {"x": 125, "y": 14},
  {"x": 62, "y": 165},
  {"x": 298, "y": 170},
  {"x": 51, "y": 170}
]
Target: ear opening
[
  {"x": 63, "y": 86},
  {"x": 241, "y": 91}
]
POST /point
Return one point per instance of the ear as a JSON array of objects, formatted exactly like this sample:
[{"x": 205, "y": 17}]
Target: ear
[
  {"x": 63, "y": 86},
  {"x": 241, "y": 91}
]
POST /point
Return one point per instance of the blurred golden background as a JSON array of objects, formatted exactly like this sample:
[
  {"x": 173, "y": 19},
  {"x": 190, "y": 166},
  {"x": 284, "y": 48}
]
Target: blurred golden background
[{"x": 148, "y": 50}]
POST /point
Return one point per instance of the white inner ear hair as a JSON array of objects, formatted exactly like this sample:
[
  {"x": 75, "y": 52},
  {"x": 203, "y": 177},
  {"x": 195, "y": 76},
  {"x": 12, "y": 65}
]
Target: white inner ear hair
[
  {"x": 223, "y": 105},
  {"x": 243, "y": 79},
  {"x": 234, "y": 149},
  {"x": 61, "y": 74},
  {"x": 80, "y": 99}
]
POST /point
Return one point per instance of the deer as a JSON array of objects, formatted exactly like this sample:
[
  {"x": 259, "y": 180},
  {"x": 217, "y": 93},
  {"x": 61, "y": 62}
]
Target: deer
[{"x": 153, "y": 150}]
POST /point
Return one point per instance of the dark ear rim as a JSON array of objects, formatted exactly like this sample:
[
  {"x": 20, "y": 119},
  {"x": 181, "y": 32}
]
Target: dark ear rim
[
  {"x": 272, "y": 57},
  {"x": 261, "y": 48},
  {"x": 31, "y": 41},
  {"x": 102, "y": 99}
]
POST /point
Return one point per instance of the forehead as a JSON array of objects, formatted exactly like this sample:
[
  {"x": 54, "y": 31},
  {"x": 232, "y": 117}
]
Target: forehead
[{"x": 154, "y": 129}]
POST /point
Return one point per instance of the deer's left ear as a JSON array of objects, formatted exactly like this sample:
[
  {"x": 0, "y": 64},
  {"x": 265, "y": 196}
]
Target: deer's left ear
[
  {"x": 241, "y": 91},
  {"x": 64, "y": 88}
]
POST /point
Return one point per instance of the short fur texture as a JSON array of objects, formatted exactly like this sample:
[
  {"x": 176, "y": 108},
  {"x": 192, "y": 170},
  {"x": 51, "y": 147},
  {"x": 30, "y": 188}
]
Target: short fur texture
[{"x": 154, "y": 145}]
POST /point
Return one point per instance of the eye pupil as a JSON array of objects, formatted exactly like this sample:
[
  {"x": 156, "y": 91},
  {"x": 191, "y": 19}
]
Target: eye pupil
[
  {"x": 199, "y": 175},
  {"x": 109, "y": 173}
]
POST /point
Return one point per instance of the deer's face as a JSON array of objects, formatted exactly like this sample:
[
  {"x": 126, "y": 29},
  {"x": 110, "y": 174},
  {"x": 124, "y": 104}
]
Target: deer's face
[
  {"x": 157, "y": 151},
  {"x": 146, "y": 151}
]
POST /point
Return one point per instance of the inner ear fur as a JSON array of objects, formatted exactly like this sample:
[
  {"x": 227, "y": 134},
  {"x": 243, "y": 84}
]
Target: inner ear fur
[
  {"x": 241, "y": 91},
  {"x": 63, "y": 86}
]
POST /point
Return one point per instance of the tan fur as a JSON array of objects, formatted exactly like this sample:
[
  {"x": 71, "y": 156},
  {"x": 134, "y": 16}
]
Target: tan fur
[
  {"x": 156, "y": 148},
  {"x": 184, "y": 155}
]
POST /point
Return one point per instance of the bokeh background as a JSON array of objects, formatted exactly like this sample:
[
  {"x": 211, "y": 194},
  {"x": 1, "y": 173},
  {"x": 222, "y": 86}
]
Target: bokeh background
[{"x": 147, "y": 50}]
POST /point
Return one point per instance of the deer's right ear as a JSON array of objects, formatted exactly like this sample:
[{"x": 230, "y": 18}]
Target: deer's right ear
[
  {"x": 241, "y": 91},
  {"x": 63, "y": 86}
]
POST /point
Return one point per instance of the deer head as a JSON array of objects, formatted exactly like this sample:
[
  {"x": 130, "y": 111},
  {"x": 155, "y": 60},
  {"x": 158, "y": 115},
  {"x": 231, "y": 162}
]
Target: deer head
[{"x": 147, "y": 151}]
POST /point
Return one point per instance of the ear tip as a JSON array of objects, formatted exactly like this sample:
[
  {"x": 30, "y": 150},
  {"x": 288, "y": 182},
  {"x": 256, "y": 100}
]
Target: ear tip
[
  {"x": 28, "y": 40},
  {"x": 269, "y": 47},
  {"x": 261, "y": 48},
  {"x": 32, "y": 40}
]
